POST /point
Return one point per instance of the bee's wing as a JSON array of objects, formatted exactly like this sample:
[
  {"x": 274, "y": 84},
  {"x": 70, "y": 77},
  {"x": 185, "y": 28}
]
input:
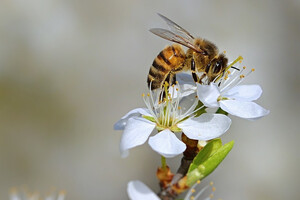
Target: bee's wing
[
  {"x": 168, "y": 35},
  {"x": 175, "y": 28}
]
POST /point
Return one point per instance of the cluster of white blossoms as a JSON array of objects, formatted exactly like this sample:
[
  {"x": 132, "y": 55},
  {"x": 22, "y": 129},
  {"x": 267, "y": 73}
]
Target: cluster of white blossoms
[
  {"x": 25, "y": 195},
  {"x": 183, "y": 109},
  {"x": 176, "y": 112}
]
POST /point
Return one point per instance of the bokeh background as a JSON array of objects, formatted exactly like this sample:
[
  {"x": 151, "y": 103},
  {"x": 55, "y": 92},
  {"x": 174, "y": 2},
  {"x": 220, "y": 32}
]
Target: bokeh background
[{"x": 70, "y": 69}]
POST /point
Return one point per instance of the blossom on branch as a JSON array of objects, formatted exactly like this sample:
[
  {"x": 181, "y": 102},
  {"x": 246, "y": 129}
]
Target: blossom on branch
[{"x": 168, "y": 115}]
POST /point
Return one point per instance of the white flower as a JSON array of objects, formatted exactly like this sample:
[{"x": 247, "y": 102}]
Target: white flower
[
  {"x": 167, "y": 116},
  {"x": 25, "y": 195},
  {"x": 137, "y": 190},
  {"x": 233, "y": 98}
]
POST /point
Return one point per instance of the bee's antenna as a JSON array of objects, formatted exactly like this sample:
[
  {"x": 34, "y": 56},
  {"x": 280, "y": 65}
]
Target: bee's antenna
[{"x": 235, "y": 68}]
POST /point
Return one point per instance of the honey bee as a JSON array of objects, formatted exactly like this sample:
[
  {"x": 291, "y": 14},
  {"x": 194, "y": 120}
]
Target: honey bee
[{"x": 202, "y": 57}]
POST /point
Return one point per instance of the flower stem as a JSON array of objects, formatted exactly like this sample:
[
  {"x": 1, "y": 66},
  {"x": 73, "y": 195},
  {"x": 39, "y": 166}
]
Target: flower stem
[{"x": 163, "y": 163}]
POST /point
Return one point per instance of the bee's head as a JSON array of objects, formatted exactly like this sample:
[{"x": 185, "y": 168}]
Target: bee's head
[{"x": 216, "y": 67}]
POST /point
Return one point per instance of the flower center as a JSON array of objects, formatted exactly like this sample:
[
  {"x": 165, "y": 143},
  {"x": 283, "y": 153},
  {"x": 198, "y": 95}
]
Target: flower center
[{"x": 163, "y": 104}]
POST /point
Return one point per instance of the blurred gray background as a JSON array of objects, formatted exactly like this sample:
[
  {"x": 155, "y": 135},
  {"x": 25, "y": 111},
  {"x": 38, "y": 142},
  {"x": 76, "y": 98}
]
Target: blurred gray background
[{"x": 70, "y": 69}]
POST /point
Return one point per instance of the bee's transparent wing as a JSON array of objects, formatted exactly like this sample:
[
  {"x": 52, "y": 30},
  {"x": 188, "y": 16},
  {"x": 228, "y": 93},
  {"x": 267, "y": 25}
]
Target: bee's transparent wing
[
  {"x": 168, "y": 35},
  {"x": 175, "y": 28}
]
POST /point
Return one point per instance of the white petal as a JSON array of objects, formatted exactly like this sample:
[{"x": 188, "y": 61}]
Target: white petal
[
  {"x": 136, "y": 133},
  {"x": 208, "y": 94},
  {"x": 244, "y": 92},
  {"x": 188, "y": 103},
  {"x": 137, "y": 190},
  {"x": 243, "y": 109},
  {"x": 206, "y": 126},
  {"x": 184, "y": 78},
  {"x": 120, "y": 125},
  {"x": 166, "y": 144}
]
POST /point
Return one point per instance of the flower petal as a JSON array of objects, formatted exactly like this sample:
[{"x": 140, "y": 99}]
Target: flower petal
[
  {"x": 208, "y": 94},
  {"x": 136, "y": 132},
  {"x": 120, "y": 125},
  {"x": 185, "y": 78},
  {"x": 137, "y": 190},
  {"x": 188, "y": 103},
  {"x": 206, "y": 126},
  {"x": 166, "y": 144},
  {"x": 243, "y": 109},
  {"x": 244, "y": 92}
]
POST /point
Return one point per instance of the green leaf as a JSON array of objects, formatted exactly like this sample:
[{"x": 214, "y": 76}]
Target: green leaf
[
  {"x": 209, "y": 149},
  {"x": 209, "y": 165}
]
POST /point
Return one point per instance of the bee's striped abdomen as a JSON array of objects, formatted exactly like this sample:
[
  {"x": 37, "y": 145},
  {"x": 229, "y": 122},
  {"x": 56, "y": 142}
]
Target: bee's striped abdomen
[{"x": 168, "y": 60}]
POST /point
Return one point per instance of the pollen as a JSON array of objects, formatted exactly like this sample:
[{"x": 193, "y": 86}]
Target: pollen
[
  {"x": 148, "y": 94},
  {"x": 224, "y": 52},
  {"x": 253, "y": 69},
  {"x": 143, "y": 95},
  {"x": 176, "y": 82},
  {"x": 179, "y": 107},
  {"x": 177, "y": 89},
  {"x": 213, "y": 189},
  {"x": 242, "y": 76},
  {"x": 240, "y": 61},
  {"x": 244, "y": 67},
  {"x": 193, "y": 190}
]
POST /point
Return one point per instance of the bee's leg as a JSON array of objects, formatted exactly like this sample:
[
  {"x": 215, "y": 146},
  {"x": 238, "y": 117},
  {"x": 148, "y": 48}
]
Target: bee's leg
[
  {"x": 193, "y": 69},
  {"x": 202, "y": 76}
]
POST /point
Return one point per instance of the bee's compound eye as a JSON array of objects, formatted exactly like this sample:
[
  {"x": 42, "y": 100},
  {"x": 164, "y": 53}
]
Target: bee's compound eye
[{"x": 217, "y": 67}]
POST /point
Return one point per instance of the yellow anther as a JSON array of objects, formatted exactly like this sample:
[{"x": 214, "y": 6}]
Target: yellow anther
[
  {"x": 179, "y": 107},
  {"x": 193, "y": 190},
  {"x": 166, "y": 83},
  {"x": 211, "y": 183},
  {"x": 198, "y": 182},
  {"x": 211, "y": 196},
  {"x": 176, "y": 82},
  {"x": 240, "y": 61},
  {"x": 177, "y": 89},
  {"x": 226, "y": 77},
  {"x": 173, "y": 85},
  {"x": 244, "y": 67},
  {"x": 242, "y": 76},
  {"x": 196, "y": 96},
  {"x": 253, "y": 69},
  {"x": 192, "y": 198},
  {"x": 213, "y": 189},
  {"x": 228, "y": 72},
  {"x": 224, "y": 52},
  {"x": 143, "y": 95},
  {"x": 148, "y": 94}
]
